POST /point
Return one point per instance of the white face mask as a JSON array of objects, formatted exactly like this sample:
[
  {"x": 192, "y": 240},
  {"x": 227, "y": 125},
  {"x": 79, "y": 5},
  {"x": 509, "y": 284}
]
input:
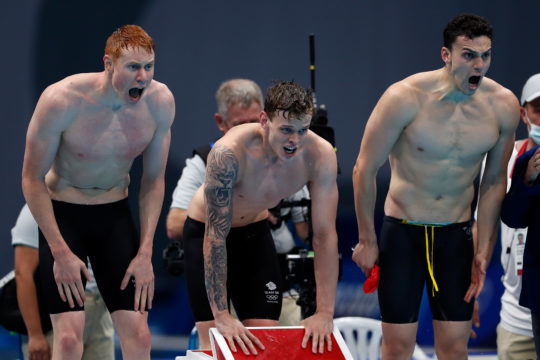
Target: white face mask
[{"x": 534, "y": 133}]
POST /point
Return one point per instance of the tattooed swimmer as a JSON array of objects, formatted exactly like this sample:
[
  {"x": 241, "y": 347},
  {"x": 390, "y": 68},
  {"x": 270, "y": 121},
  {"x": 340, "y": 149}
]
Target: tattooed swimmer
[{"x": 249, "y": 170}]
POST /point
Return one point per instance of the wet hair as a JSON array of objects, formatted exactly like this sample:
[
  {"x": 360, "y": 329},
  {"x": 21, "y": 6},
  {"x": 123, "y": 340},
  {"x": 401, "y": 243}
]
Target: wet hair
[
  {"x": 291, "y": 98},
  {"x": 125, "y": 37},
  {"x": 242, "y": 92},
  {"x": 469, "y": 25}
]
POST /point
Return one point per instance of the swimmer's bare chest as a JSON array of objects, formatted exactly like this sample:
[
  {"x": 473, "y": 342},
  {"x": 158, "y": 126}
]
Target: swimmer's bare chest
[
  {"x": 449, "y": 134},
  {"x": 100, "y": 146},
  {"x": 435, "y": 161},
  {"x": 261, "y": 189}
]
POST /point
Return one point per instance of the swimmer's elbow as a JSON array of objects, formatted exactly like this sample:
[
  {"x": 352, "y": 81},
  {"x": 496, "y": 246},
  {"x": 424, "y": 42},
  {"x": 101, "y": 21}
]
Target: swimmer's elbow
[
  {"x": 325, "y": 240},
  {"x": 30, "y": 182},
  {"x": 361, "y": 170}
]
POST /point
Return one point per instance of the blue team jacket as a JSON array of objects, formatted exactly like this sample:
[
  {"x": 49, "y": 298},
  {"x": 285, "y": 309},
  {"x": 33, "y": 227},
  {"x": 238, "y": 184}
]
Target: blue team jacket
[{"x": 521, "y": 208}]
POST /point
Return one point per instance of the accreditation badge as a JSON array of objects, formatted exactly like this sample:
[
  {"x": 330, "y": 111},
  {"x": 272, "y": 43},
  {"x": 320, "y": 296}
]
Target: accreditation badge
[{"x": 518, "y": 247}]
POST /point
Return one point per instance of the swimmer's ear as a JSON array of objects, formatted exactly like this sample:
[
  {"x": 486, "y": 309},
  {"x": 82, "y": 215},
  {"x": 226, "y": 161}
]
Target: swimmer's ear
[
  {"x": 263, "y": 118},
  {"x": 107, "y": 61},
  {"x": 445, "y": 55}
]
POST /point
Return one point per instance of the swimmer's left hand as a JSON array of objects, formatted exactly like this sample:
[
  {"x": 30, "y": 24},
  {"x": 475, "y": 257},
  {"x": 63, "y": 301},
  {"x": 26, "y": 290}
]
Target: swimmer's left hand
[
  {"x": 140, "y": 268},
  {"x": 478, "y": 275},
  {"x": 319, "y": 327}
]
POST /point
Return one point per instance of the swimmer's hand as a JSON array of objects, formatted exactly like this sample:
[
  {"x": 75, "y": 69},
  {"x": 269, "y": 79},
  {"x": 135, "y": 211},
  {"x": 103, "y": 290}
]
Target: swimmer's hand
[
  {"x": 67, "y": 270},
  {"x": 365, "y": 255},
  {"x": 319, "y": 328},
  {"x": 235, "y": 332},
  {"x": 478, "y": 275},
  {"x": 140, "y": 268}
]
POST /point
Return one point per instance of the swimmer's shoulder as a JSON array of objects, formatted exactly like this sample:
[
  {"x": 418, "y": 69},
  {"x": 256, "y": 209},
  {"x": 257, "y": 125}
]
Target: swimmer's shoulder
[
  {"x": 405, "y": 97},
  {"x": 318, "y": 143},
  {"x": 244, "y": 133},
  {"x": 420, "y": 83},
  {"x": 73, "y": 89},
  {"x": 320, "y": 153},
  {"x": 159, "y": 93},
  {"x": 493, "y": 89},
  {"x": 63, "y": 97},
  {"x": 242, "y": 138},
  {"x": 501, "y": 99},
  {"x": 161, "y": 101}
]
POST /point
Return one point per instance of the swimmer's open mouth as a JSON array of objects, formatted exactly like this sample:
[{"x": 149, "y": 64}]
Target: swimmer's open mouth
[
  {"x": 474, "y": 80},
  {"x": 135, "y": 93},
  {"x": 290, "y": 150}
]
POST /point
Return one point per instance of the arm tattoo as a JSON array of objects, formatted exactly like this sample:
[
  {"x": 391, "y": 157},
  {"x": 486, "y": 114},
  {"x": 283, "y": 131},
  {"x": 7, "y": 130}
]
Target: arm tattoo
[{"x": 221, "y": 175}]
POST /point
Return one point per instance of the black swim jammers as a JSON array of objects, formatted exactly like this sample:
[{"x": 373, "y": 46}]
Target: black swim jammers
[
  {"x": 437, "y": 255},
  {"x": 253, "y": 275},
  {"x": 107, "y": 235}
]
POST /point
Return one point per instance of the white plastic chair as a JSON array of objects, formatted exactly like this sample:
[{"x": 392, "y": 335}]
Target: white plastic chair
[
  {"x": 193, "y": 343},
  {"x": 363, "y": 337}
]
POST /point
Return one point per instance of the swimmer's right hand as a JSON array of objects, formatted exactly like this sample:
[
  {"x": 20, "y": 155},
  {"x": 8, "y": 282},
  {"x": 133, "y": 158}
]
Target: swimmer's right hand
[
  {"x": 235, "y": 332},
  {"x": 365, "y": 255},
  {"x": 67, "y": 270}
]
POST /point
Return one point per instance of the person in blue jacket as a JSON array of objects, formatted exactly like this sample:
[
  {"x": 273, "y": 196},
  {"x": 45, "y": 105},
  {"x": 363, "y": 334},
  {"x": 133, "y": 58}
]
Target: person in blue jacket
[{"x": 521, "y": 206}]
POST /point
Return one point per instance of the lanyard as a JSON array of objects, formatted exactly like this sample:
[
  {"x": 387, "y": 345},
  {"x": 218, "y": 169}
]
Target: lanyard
[{"x": 520, "y": 152}]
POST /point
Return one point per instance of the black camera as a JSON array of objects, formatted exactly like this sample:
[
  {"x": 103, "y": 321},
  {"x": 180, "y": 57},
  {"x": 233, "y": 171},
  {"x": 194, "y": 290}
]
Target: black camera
[
  {"x": 301, "y": 276},
  {"x": 173, "y": 258}
]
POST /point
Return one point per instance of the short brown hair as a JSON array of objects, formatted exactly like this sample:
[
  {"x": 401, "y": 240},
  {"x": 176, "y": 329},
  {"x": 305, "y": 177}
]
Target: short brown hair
[
  {"x": 128, "y": 36},
  {"x": 291, "y": 98},
  {"x": 469, "y": 25}
]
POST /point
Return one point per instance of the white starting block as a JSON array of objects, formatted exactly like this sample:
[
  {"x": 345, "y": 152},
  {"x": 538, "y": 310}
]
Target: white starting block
[{"x": 197, "y": 355}]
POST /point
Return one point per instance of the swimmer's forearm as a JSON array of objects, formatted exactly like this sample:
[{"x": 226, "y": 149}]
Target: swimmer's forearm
[
  {"x": 215, "y": 273},
  {"x": 488, "y": 215},
  {"x": 38, "y": 199},
  {"x": 326, "y": 264},
  {"x": 150, "y": 202},
  {"x": 365, "y": 192},
  {"x": 221, "y": 175}
]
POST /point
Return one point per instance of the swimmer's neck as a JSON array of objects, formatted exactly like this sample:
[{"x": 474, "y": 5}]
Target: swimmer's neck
[
  {"x": 448, "y": 91},
  {"x": 106, "y": 95}
]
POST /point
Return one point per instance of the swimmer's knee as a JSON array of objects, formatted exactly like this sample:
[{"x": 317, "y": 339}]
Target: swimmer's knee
[{"x": 398, "y": 340}]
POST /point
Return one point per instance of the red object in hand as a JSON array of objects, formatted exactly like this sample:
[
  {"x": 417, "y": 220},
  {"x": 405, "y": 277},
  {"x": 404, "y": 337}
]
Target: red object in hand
[{"x": 372, "y": 282}]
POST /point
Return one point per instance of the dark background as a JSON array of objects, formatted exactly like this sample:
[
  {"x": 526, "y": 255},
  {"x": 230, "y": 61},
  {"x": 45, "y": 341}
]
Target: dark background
[{"x": 361, "y": 48}]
